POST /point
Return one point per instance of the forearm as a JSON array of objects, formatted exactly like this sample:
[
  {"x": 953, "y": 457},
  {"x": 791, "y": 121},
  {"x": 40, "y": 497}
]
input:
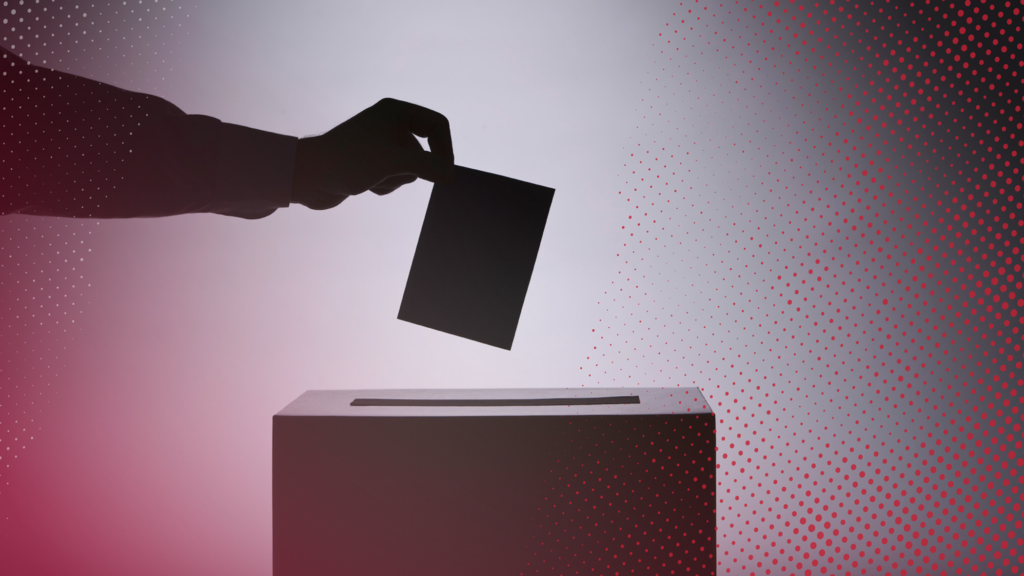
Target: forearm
[
  {"x": 81, "y": 148},
  {"x": 190, "y": 164}
]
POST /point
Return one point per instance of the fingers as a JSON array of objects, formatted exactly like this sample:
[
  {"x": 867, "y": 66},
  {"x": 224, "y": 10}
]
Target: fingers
[
  {"x": 426, "y": 165},
  {"x": 428, "y": 124},
  {"x": 324, "y": 202},
  {"x": 407, "y": 163},
  {"x": 392, "y": 183}
]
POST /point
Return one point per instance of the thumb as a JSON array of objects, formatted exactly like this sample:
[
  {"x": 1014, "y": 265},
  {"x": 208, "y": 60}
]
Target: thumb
[{"x": 423, "y": 164}]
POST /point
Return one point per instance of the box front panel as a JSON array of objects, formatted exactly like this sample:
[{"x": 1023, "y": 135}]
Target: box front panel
[{"x": 505, "y": 495}]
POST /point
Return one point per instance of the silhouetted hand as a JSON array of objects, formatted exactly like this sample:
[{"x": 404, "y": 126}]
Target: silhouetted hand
[{"x": 374, "y": 150}]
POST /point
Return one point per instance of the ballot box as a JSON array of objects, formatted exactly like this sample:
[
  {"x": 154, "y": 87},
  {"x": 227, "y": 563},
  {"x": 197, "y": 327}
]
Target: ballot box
[{"x": 497, "y": 482}]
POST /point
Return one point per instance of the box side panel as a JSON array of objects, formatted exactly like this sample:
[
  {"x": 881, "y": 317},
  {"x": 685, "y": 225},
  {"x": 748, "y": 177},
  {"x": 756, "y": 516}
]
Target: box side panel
[{"x": 629, "y": 496}]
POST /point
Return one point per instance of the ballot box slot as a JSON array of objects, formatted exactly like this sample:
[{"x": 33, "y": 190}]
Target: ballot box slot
[{"x": 442, "y": 402}]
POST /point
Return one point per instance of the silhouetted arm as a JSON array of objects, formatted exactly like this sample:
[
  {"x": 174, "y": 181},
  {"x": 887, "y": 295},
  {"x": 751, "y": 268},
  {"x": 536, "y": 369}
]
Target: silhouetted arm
[{"x": 81, "y": 148}]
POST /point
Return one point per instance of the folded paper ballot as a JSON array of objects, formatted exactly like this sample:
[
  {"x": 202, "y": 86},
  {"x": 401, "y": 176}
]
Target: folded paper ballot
[{"x": 475, "y": 256}]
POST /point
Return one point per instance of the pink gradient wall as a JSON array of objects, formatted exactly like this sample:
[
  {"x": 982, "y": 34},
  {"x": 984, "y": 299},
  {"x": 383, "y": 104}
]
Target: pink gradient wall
[{"x": 810, "y": 211}]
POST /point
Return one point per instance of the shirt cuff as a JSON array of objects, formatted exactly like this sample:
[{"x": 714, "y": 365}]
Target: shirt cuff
[{"x": 254, "y": 174}]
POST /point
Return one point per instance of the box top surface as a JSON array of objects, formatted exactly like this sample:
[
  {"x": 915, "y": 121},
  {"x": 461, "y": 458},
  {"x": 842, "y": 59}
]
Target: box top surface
[{"x": 507, "y": 402}]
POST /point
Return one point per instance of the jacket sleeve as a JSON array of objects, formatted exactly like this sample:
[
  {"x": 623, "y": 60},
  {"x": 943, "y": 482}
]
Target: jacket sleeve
[{"x": 75, "y": 147}]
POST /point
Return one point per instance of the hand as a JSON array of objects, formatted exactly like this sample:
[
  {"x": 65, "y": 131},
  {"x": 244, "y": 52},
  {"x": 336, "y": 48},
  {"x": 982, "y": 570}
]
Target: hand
[{"x": 374, "y": 150}]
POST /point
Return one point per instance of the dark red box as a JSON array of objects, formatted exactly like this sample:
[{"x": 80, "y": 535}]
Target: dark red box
[{"x": 472, "y": 482}]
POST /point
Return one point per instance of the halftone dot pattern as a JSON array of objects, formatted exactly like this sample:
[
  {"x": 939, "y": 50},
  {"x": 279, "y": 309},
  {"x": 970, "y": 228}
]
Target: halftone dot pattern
[
  {"x": 120, "y": 42},
  {"x": 42, "y": 291},
  {"x": 85, "y": 132},
  {"x": 629, "y": 499},
  {"x": 822, "y": 231}
]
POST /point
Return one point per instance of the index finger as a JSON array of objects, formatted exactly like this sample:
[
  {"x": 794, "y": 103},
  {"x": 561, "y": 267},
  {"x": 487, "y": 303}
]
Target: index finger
[{"x": 431, "y": 125}]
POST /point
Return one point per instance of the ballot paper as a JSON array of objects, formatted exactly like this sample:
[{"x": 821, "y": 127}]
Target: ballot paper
[{"x": 475, "y": 256}]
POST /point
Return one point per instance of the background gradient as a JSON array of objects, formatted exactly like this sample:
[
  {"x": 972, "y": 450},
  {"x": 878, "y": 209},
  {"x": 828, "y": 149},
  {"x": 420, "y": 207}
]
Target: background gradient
[{"x": 810, "y": 211}]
